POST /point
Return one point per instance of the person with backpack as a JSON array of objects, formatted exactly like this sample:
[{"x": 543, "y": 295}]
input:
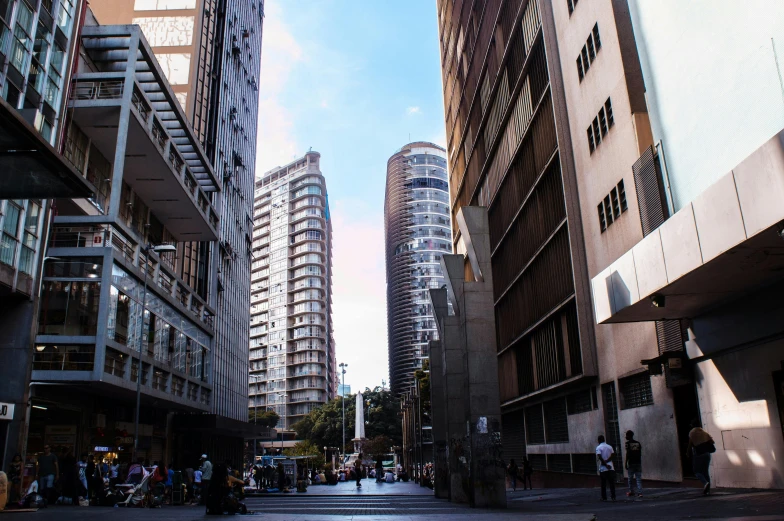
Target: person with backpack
[
  {"x": 513, "y": 470},
  {"x": 700, "y": 448},
  {"x": 633, "y": 464}
]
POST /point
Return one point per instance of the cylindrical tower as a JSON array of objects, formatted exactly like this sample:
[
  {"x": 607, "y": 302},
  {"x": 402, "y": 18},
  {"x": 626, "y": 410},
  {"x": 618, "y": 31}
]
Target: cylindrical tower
[{"x": 417, "y": 230}]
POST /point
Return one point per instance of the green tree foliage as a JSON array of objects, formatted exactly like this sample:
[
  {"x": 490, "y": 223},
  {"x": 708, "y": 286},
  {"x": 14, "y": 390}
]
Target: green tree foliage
[
  {"x": 267, "y": 419},
  {"x": 377, "y": 446},
  {"x": 423, "y": 377},
  {"x": 308, "y": 448},
  {"x": 324, "y": 426}
]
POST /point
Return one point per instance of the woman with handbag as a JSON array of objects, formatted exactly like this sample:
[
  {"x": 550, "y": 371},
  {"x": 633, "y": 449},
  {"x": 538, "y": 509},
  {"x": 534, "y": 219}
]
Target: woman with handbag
[{"x": 700, "y": 448}]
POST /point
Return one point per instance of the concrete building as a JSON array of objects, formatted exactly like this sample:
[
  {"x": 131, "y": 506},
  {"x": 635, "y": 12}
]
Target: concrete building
[
  {"x": 35, "y": 57},
  {"x": 292, "y": 350},
  {"x": 417, "y": 233},
  {"x": 713, "y": 194},
  {"x": 545, "y": 114},
  {"x": 128, "y": 130}
]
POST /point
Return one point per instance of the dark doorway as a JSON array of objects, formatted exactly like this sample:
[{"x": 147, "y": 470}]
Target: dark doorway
[
  {"x": 778, "y": 385},
  {"x": 687, "y": 409},
  {"x": 612, "y": 430}
]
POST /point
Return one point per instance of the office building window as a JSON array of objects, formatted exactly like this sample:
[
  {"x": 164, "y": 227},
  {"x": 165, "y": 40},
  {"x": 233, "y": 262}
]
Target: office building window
[
  {"x": 588, "y": 53},
  {"x": 612, "y": 206},
  {"x": 600, "y": 126}
]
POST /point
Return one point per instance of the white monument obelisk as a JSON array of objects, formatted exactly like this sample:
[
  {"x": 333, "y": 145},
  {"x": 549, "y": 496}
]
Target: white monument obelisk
[{"x": 359, "y": 425}]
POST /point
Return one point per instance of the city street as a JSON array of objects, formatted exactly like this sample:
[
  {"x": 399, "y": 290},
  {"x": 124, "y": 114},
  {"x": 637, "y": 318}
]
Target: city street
[{"x": 405, "y": 501}]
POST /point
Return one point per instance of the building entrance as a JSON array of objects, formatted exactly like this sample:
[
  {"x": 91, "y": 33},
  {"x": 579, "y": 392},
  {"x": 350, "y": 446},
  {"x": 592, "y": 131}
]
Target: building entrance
[{"x": 687, "y": 409}]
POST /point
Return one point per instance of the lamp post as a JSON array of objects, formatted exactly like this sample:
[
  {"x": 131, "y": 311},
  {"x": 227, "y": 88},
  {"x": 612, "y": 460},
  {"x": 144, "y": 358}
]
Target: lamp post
[
  {"x": 255, "y": 417},
  {"x": 160, "y": 249},
  {"x": 282, "y": 395},
  {"x": 343, "y": 403}
]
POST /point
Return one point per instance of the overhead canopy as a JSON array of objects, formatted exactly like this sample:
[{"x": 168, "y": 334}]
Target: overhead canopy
[{"x": 30, "y": 168}]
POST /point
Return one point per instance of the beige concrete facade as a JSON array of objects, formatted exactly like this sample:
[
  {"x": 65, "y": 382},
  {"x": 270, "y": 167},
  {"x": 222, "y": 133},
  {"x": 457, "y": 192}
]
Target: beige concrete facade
[{"x": 612, "y": 74}]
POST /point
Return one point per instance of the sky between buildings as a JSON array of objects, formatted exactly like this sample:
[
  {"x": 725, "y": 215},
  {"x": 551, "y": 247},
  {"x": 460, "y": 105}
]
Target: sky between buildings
[{"x": 355, "y": 80}]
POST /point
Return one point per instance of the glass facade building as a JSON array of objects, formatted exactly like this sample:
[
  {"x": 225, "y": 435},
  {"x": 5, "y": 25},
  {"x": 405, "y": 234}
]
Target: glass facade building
[
  {"x": 292, "y": 350},
  {"x": 417, "y": 231}
]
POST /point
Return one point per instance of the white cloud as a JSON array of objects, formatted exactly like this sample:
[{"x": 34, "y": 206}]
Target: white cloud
[
  {"x": 413, "y": 110},
  {"x": 276, "y": 143},
  {"x": 359, "y": 287}
]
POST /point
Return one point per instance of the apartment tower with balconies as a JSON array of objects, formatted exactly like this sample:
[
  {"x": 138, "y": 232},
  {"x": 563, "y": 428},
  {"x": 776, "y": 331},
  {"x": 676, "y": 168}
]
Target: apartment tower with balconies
[
  {"x": 417, "y": 232},
  {"x": 292, "y": 350}
]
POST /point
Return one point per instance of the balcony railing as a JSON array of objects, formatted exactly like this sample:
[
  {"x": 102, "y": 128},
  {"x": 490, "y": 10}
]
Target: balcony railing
[{"x": 97, "y": 90}]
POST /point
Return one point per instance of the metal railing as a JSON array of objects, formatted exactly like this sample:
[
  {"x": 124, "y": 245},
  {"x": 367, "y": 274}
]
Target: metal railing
[
  {"x": 141, "y": 105},
  {"x": 74, "y": 237},
  {"x": 97, "y": 90}
]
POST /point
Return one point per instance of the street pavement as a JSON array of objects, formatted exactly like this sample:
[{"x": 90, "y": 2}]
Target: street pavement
[{"x": 409, "y": 502}]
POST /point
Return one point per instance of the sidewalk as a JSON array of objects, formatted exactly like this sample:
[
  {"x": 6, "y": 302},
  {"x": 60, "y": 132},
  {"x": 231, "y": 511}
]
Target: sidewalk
[{"x": 349, "y": 488}]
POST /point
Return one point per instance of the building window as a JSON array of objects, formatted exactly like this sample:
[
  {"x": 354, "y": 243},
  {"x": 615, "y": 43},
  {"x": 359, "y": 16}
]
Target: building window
[
  {"x": 588, "y": 53},
  {"x": 571, "y": 4},
  {"x": 579, "y": 402},
  {"x": 556, "y": 425},
  {"x": 600, "y": 126},
  {"x": 63, "y": 357},
  {"x": 114, "y": 363},
  {"x": 636, "y": 391},
  {"x": 613, "y": 205},
  {"x": 69, "y": 307},
  {"x": 10, "y": 238}
]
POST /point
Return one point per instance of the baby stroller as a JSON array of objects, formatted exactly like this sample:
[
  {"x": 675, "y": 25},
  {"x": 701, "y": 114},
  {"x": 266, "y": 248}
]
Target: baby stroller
[{"x": 134, "y": 495}]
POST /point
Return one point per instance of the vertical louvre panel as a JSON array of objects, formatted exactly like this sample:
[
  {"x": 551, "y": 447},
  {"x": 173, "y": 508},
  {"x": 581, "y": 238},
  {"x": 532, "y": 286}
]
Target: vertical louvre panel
[
  {"x": 547, "y": 282},
  {"x": 525, "y": 368},
  {"x": 530, "y": 23},
  {"x": 650, "y": 191},
  {"x": 507, "y": 375},
  {"x": 542, "y": 213},
  {"x": 559, "y": 462},
  {"x": 573, "y": 335},
  {"x": 548, "y": 353},
  {"x": 534, "y": 425},
  {"x": 538, "y": 461},
  {"x": 513, "y": 436},
  {"x": 669, "y": 336},
  {"x": 556, "y": 423}
]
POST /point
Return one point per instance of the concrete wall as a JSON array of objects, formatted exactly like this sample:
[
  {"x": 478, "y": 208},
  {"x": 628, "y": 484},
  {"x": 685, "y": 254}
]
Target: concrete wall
[
  {"x": 736, "y": 391},
  {"x": 711, "y": 83}
]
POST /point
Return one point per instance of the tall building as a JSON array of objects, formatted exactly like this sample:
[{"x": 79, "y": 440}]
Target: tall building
[
  {"x": 545, "y": 116},
  {"x": 36, "y": 55},
  {"x": 711, "y": 194},
  {"x": 417, "y": 232},
  {"x": 210, "y": 51},
  {"x": 292, "y": 350}
]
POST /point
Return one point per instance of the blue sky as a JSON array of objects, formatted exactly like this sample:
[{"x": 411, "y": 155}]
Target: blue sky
[{"x": 353, "y": 79}]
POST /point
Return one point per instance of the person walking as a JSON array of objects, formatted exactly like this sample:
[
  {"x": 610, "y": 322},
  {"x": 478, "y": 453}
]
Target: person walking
[
  {"x": 197, "y": 491},
  {"x": 633, "y": 464},
  {"x": 82, "y": 476},
  {"x": 700, "y": 448},
  {"x": 206, "y": 476},
  {"x": 513, "y": 470},
  {"x": 528, "y": 470},
  {"x": 48, "y": 470},
  {"x": 114, "y": 473},
  {"x": 605, "y": 454},
  {"x": 281, "y": 477}
]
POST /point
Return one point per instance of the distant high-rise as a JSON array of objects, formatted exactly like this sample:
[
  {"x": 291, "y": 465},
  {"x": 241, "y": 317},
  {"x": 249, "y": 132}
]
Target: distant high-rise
[
  {"x": 292, "y": 352},
  {"x": 417, "y": 231}
]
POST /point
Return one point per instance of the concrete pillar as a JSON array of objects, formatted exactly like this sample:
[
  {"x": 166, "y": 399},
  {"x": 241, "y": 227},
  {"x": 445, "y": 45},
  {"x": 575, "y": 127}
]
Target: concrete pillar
[
  {"x": 438, "y": 416},
  {"x": 469, "y": 401}
]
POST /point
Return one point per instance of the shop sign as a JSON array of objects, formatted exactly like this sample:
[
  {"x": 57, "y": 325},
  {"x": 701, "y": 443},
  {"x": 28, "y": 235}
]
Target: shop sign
[
  {"x": 100, "y": 448},
  {"x": 6, "y": 411},
  {"x": 124, "y": 440}
]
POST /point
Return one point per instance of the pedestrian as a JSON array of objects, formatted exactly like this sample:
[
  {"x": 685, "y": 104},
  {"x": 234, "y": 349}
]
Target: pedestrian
[
  {"x": 281, "y": 477},
  {"x": 206, "y": 476},
  {"x": 528, "y": 470},
  {"x": 48, "y": 470},
  {"x": 188, "y": 481},
  {"x": 513, "y": 470},
  {"x": 15, "y": 478},
  {"x": 90, "y": 472},
  {"x": 358, "y": 468},
  {"x": 379, "y": 470},
  {"x": 114, "y": 473},
  {"x": 605, "y": 454},
  {"x": 701, "y": 446},
  {"x": 82, "y": 476},
  {"x": 197, "y": 489},
  {"x": 633, "y": 463}
]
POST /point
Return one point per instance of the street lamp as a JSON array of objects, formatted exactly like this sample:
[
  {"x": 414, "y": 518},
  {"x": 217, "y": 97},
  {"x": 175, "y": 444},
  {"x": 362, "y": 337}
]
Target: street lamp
[
  {"x": 160, "y": 249},
  {"x": 343, "y": 403},
  {"x": 255, "y": 416},
  {"x": 282, "y": 395}
]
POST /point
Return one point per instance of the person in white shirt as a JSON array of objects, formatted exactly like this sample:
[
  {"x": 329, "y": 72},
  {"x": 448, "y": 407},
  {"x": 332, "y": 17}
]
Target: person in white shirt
[{"x": 605, "y": 454}]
